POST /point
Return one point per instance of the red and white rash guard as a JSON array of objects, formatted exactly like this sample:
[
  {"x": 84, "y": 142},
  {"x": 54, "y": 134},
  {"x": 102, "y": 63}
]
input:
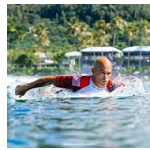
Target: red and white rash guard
[{"x": 84, "y": 84}]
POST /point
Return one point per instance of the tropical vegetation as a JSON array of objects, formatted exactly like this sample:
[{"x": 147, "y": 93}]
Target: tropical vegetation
[{"x": 59, "y": 28}]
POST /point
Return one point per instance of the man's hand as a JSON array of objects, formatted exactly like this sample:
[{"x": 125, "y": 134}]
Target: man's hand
[
  {"x": 43, "y": 81},
  {"x": 21, "y": 89}
]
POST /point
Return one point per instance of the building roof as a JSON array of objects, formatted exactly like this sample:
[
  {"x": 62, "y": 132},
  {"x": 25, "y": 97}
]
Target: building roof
[
  {"x": 101, "y": 49},
  {"x": 137, "y": 49},
  {"x": 40, "y": 54},
  {"x": 73, "y": 54}
]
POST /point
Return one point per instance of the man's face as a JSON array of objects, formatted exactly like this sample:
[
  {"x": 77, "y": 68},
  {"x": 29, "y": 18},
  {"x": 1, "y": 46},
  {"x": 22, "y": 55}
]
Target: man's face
[{"x": 101, "y": 75}]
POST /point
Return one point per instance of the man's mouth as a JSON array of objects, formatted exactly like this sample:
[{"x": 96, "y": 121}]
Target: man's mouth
[{"x": 104, "y": 81}]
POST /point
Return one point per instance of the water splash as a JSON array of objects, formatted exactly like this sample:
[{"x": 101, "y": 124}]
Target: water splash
[
  {"x": 134, "y": 87},
  {"x": 100, "y": 121}
]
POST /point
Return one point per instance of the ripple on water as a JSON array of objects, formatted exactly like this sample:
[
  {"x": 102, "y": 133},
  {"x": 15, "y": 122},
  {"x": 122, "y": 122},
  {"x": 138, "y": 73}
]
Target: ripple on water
[{"x": 112, "y": 121}]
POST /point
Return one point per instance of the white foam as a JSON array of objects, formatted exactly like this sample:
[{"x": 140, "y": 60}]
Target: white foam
[{"x": 134, "y": 87}]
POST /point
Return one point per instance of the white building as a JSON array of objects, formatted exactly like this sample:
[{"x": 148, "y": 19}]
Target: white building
[
  {"x": 90, "y": 54},
  {"x": 44, "y": 60},
  {"x": 137, "y": 56},
  {"x": 72, "y": 59}
]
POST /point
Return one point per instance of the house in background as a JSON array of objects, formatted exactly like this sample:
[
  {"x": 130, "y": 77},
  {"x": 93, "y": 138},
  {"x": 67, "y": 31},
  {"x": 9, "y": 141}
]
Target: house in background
[
  {"x": 72, "y": 60},
  {"x": 44, "y": 60},
  {"x": 136, "y": 56},
  {"x": 90, "y": 54}
]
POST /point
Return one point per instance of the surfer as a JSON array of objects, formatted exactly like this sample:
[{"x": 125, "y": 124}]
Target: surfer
[{"x": 100, "y": 80}]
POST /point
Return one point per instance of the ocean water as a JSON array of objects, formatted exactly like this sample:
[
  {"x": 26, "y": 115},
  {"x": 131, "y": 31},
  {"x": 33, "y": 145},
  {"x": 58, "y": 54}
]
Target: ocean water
[{"x": 42, "y": 118}]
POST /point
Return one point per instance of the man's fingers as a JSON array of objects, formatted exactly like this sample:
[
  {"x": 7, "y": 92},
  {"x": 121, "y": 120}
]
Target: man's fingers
[{"x": 18, "y": 90}]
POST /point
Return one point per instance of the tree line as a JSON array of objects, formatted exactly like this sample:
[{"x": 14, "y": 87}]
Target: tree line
[{"x": 59, "y": 28}]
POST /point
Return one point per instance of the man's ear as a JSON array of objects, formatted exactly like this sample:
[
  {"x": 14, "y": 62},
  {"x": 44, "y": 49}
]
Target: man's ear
[{"x": 92, "y": 70}]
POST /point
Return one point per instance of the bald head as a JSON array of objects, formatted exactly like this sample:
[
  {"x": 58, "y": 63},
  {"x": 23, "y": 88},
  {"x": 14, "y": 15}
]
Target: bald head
[
  {"x": 102, "y": 62},
  {"x": 101, "y": 71}
]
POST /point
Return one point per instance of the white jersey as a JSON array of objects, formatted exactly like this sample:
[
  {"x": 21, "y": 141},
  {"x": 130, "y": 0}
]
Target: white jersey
[
  {"x": 84, "y": 84},
  {"x": 92, "y": 88}
]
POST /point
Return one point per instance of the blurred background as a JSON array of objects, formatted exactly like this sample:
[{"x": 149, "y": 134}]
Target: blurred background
[{"x": 51, "y": 39}]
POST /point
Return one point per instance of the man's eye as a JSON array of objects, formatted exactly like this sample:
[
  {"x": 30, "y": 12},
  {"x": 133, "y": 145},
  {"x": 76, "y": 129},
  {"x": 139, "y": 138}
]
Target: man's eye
[{"x": 102, "y": 72}]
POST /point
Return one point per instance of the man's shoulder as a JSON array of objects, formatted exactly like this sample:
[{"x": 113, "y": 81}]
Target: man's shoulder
[
  {"x": 81, "y": 80},
  {"x": 113, "y": 84}
]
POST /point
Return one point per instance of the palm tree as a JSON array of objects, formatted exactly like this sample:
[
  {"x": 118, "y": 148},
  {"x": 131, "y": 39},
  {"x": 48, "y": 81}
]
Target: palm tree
[
  {"x": 100, "y": 35},
  {"x": 144, "y": 27},
  {"x": 80, "y": 31},
  {"x": 41, "y": 34},
  {"x": 82, "y": 36},
  {"x": 131, "y": 31},
  {"x": 74, "y": 29},
  {"x": 14, "y": 32},
  {"x": 116, "y": 25}
]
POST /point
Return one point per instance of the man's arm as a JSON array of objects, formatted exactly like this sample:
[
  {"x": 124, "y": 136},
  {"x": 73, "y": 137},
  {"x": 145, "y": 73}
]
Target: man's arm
[{"x": 22, "y": 89}]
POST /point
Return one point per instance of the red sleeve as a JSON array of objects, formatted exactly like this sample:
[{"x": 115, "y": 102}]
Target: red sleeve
[
  {"x": 64, "y": 82},
  {"x": 113, "y": 84},
  {"x": 73, "y": 83}
]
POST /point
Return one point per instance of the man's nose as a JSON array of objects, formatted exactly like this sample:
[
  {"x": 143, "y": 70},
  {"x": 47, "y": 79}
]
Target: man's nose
[{"x": 105, "y": 75}]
